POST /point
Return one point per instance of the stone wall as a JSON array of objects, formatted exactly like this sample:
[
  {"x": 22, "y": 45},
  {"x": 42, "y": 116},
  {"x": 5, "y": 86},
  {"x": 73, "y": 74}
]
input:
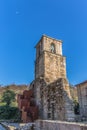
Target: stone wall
[
  {"x": 48, "y": 64},
  {"x": 51, "y": 88},
  {"x": 58, "y": 125},
  {"x": 54, "y": 100},
  {"x": 55, "y": 66},
  {"x": 27, "y": 106},
  {"x": 47, "y": 41},
  {"x": 82, "y": 98}
]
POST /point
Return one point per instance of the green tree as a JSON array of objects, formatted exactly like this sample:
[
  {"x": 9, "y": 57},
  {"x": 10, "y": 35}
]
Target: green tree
[{"x": 8, "y": 97}]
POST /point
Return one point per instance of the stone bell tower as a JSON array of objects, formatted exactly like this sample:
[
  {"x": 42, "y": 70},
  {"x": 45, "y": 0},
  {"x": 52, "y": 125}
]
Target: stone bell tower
[
  {"x": 50, "y": 63},
  {"x": 51, "y": 88}
]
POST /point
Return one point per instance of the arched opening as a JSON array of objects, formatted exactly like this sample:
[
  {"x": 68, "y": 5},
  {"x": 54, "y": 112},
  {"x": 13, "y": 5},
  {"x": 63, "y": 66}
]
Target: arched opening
[{"x": 52, "y": 48}]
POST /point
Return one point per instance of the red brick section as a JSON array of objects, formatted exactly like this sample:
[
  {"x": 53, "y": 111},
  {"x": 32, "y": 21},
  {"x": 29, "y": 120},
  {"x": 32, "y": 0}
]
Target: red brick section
[{"x": 27, "y": 106}]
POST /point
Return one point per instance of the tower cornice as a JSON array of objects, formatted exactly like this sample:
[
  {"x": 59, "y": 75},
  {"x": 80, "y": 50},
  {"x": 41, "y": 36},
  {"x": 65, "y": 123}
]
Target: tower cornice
[{"x": 49, "y": 38}]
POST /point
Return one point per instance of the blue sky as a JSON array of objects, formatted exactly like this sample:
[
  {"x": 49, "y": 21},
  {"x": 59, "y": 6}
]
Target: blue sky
[{"x": 22, "y": 22}]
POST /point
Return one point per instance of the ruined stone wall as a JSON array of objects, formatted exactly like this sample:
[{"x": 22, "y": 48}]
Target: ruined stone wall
[
  {"x": 73, "y": 91},
  {"x": 51, "y": 88},
  {"x": 38, "y": 86},
  {"x": 60, "y": 105},
  {"x": 58, "y": 125},
  {"x": 82, "y": 97},
  {"x": 54, "y": 100}
]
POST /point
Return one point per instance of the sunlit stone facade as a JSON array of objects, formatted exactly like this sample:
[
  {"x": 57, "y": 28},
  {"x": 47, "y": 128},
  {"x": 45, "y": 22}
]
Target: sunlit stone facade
[{"x": 51, "y": 87}]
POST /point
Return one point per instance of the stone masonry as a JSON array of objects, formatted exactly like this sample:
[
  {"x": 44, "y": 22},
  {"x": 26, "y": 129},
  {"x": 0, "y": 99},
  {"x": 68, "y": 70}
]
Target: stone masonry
[
  {"x": 82, "y": 97},
  {"x": 50, "y": 65},
  {"x": 51, "y": 91},
  {"x": 51, "y": 87},
  {"x": 59, "y": 125}
]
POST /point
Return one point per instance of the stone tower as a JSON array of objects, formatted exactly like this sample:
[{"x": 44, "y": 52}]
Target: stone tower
[
  {"x": 51, "y": 88},
  {"x": 50, "y": 63}
]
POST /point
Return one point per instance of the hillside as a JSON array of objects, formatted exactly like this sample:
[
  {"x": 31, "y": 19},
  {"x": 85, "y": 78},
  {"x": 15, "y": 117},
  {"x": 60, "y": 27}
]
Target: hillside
[{"x": 18, "y": 89}]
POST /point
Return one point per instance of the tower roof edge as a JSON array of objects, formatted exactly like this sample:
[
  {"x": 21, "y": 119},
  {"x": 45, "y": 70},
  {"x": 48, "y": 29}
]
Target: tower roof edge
[{"x": 44, "y": 35}]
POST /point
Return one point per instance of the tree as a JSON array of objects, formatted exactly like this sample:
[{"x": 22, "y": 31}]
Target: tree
[{"x": 8, "y": 97}]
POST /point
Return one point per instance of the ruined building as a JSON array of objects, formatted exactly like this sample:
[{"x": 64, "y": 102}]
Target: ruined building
[
  {"x": 27, "y": 106},
  {"x": 82, "y": 98},
  {"x": 51, "y": 88}
]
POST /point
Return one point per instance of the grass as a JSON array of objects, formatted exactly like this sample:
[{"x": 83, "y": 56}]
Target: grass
[
  {"x": 2, "y": 104},
  {"x": 13, "y": 104}
]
